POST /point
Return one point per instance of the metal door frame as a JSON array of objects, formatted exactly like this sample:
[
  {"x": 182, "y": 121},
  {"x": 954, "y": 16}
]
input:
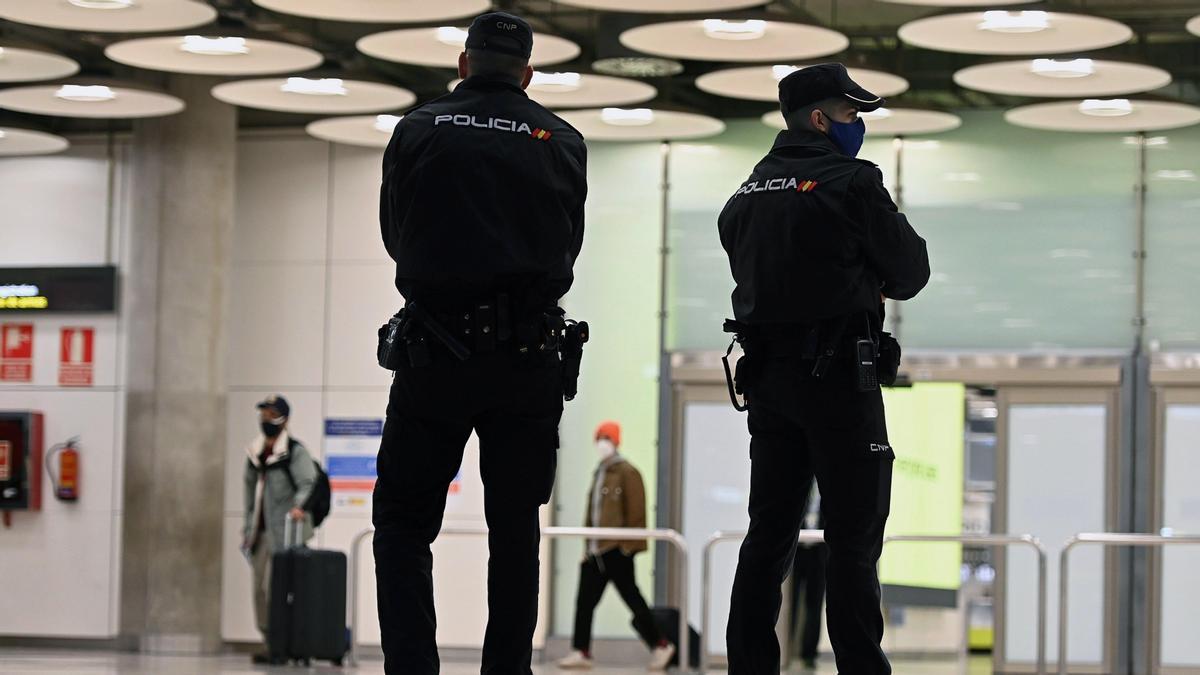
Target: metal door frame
[
  {"x": 698, "y": 377},
  {"x": 1168, "y": 386},
  {"x": 1103, "y": 393}
]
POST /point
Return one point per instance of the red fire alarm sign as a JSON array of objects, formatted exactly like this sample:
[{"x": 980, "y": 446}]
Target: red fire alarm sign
[{"x": 16, "y": 352}]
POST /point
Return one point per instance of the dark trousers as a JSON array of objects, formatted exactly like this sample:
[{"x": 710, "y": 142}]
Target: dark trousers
[
  {"x": 801, "y": 426},
  {"x": 594, "y": 574},
  {"x": 514, "y": 404}
]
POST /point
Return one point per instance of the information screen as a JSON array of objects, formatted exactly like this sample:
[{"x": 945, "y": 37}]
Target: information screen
[
  {"x": 37, "y": 290},
  {"x": 926, "y": 429}
]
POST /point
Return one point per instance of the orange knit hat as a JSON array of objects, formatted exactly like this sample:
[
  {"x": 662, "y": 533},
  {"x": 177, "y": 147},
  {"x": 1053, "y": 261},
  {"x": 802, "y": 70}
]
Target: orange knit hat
[{"x": 611, "y": 431}]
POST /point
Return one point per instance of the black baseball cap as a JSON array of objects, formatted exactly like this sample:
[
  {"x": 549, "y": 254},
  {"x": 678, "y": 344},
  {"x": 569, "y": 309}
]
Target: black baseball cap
[
  {"x": 277, "y": 402},
  {"x": 501, "y": 32},
  {"x": 814, "y": 84}
]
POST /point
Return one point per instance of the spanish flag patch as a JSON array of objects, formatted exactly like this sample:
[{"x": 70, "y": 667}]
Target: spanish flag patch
[
  {"x": 806, "y": 186},
  {"x": 541, "y": 134}
]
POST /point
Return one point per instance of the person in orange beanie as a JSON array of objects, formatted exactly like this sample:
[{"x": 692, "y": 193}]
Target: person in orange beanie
[{"x": 617, "y": 499}]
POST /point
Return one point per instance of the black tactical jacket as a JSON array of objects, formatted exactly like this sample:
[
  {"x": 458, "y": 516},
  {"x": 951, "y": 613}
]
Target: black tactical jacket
[
  {"x": 483, "y": 192},
  {"x": 813, "y": 234}
]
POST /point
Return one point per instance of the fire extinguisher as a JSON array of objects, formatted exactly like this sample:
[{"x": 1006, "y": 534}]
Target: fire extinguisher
[{"x": 66, "y": 482}]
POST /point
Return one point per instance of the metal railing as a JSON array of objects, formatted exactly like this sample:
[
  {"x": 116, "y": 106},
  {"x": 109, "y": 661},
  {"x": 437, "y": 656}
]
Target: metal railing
[
  {"x": 1105, "y": 540},
  {"x": 818, "y": 536},
  {"x": 603, "y": 533},
  {"x": 806, "y": 537}
]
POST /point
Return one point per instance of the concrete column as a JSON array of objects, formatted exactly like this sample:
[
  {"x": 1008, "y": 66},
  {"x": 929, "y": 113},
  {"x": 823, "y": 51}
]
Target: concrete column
[{"x": 176, "y": 288}]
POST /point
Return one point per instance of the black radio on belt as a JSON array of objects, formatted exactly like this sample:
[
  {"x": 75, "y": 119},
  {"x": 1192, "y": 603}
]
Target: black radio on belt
[{"x": 864, "y": 353}]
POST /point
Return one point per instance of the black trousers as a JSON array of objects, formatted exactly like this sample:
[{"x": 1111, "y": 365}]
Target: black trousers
[
  {"x": 514, "y": 404},
  {"x": 594, "y": 574},
  {"x": 801, "y": 426}
]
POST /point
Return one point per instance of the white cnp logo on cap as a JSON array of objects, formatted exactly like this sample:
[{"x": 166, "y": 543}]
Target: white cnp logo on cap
[{"x": 506, "y": 26}]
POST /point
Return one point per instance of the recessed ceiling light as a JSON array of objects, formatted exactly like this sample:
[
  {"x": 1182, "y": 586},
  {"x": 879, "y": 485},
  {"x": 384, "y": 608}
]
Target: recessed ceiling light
[
  {"x": 780, "y": 72},
  {"x": 721, "y": 29},
  {"x": 328, "y": 86},
  {"x": 555, "y": 82},
  {"x": 85, "y": 94},
  {"x": 877, "y": 114},
  {"x": 1115, "y": 107},
  {"x": 621, "y": 117},
  {"x": 1063, "y": 68},
  {"x": 453, "y": 36},
  {"x": 102, "y": 4},
  {"x": 386, "y": 123},
  {"x": 1000, "y": 21},
  {"x": 1175, "y": 174},
  {"x": 638, "y": 66},
  {"x": 214, "y": 46}
]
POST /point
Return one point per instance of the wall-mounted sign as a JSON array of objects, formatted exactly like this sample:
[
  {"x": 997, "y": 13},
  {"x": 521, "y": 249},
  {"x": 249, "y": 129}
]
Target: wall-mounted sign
[
  {"x": 58, "y": 289},
  {"x": 76, "y": 357},
  {"x": 16, "y": 352},
  {"x": 351, "y": 445}
]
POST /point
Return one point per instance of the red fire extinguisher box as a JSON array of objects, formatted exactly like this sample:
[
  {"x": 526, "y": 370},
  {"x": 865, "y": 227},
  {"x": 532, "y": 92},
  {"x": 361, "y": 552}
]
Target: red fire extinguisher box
[{"x": 20, "y": 460}]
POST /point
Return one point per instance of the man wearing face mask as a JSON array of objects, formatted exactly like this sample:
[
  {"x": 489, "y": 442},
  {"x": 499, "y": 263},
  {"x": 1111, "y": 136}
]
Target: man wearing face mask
[
  {"x": 617, "y": 499},
  {"x": 279, "y": 477},
  {"x": 815, "y": 245}
]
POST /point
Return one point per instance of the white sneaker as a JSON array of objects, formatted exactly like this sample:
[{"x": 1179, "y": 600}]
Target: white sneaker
[
  {"x": 576, "y": 660},
  {"x": 660, "y": 658}
]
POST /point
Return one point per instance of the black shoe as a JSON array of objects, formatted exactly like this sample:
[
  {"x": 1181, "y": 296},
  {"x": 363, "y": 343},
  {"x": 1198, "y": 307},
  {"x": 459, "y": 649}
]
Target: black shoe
[
  {"x": 265, "y": 659},
  {"x": 810, "y": 664}
]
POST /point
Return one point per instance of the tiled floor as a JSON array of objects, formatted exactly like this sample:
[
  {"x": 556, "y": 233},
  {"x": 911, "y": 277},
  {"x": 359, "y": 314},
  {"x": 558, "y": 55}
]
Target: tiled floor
[{"x": 40, "y": 662}]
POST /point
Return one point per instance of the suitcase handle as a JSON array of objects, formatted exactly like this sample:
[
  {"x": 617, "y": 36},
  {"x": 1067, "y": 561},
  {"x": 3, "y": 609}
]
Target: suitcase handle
[{"x": 294, "y": 527}]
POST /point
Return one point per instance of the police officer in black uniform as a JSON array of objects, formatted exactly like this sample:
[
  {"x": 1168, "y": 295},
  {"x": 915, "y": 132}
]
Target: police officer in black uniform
[
  {"x": 815, "y": 245},
  {"x": 481, "y": 207}
]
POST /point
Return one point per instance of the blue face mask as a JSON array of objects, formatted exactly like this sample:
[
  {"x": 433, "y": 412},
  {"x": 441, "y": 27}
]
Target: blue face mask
[{"x": 848, "y": 136}]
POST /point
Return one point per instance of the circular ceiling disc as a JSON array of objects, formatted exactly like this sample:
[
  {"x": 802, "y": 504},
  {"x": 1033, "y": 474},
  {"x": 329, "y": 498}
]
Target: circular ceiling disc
[
  {"x": 262, "y": 57},
  {"x": 1065, "y": 116},
  {"x": 593, "y": 91},
  {"x": 127, "y": 104},
  {"x": 1017, "y": 78},
  {"x": 378, "y": 11},
  {"x": 421, "y": 47},
  {"x": 780, "y": 41},
  {"x": 15, "y": 142},
  {"x": 960, "y": 3},
  {"x": 664, "y": 6},
  {"x": 665, "y": 126},
  {"x": 142, "y": 16},
  {"x": 961, "y": 34},
  {"x": 901, "y": 122},
  {"x": 758, "y": 83},
  {"x": 360, "y": 130},
  {"x": 360, "y": 97},
  {"x": 1193, "y": 26},
  {"x": 27, "y": 65}
]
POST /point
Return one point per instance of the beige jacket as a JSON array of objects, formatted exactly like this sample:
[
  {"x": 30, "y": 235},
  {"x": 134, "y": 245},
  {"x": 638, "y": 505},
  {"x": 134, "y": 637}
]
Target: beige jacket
[{"x": 622, "y": 503}]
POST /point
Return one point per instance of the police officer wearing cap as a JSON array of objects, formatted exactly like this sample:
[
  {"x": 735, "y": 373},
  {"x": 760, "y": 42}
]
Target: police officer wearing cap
[
  {"x": 815, "y": 245},
  {"x": 481, "y": 207}
]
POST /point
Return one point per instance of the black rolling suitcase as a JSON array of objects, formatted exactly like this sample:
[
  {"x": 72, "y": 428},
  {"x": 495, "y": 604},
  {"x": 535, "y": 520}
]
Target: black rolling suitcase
[{"x": 308, "y": 603}]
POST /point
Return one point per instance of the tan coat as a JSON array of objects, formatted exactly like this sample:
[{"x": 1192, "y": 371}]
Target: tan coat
[{"x": 623, "y": 504}]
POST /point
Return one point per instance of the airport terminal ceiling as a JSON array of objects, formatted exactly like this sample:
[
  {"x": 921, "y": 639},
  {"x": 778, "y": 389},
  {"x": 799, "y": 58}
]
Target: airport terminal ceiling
[{"x": 1159, "y": 38}]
